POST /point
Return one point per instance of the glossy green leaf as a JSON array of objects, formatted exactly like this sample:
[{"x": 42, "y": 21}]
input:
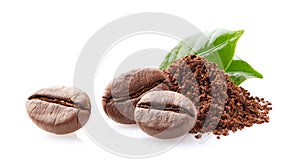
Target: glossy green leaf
[
  {"x": 239, "y": 71},
  {"x": 217, "y": 46}
]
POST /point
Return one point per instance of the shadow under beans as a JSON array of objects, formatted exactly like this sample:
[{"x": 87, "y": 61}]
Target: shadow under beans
[
  {"x": 67, "y": 138},
  {"x": 131, "y": 130},
  {"x": 189, "y": 139}
]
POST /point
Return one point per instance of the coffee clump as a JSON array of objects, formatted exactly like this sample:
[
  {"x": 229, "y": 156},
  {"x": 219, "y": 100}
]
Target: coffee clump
[{"x": 222, "y": 106}]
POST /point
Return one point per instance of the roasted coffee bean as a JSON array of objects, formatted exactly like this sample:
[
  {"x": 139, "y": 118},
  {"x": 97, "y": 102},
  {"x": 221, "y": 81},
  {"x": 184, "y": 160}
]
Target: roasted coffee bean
[
  {"x": 59, "y": 109},
  {"x": 165, "y": 114},
  {"x": 122, "y": 94}
]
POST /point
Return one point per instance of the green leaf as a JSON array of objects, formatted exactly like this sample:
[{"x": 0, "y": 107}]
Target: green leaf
[
  {"x": 239, "y": 71},
  {"x": 217, "y": 46}
]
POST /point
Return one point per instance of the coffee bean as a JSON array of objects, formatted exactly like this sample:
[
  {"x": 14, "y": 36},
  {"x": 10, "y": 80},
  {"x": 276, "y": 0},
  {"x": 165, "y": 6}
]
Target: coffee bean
[
  {"x": 59, "y": 109},
  {"x": 165, "y": 114},
  {"x": 122, "y": 94}
]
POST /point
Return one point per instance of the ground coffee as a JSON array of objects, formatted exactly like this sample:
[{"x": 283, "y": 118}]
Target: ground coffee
[{"x": 222, "y": 106}]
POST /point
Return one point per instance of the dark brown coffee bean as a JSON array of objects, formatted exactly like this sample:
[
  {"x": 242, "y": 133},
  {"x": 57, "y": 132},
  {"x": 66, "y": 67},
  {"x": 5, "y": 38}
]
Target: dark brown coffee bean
[
  {"x": 122, "y": 94},
  {"x": 165, "y": 114},
  {"x": 59, "y": 109}
]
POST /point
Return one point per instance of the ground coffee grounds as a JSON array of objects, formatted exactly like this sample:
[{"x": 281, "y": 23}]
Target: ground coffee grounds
[{"x": 222, "y": 106}]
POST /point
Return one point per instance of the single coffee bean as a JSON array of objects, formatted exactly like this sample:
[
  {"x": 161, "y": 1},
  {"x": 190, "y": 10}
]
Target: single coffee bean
[
  {"x": 165, "y": 114},
  {"x": 122, "y": 94},
  {"x": 59, "y": 109}
]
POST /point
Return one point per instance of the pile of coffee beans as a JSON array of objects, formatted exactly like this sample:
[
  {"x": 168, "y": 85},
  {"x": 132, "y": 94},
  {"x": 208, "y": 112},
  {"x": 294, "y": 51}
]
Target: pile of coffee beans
[{"x": 144, "y": 96}]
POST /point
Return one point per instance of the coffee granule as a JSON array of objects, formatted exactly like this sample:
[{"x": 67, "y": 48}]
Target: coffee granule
[{"x": 222, "y": 106}]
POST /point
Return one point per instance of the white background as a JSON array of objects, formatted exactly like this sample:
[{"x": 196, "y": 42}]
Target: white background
[{"x": 41, "y": 41}]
